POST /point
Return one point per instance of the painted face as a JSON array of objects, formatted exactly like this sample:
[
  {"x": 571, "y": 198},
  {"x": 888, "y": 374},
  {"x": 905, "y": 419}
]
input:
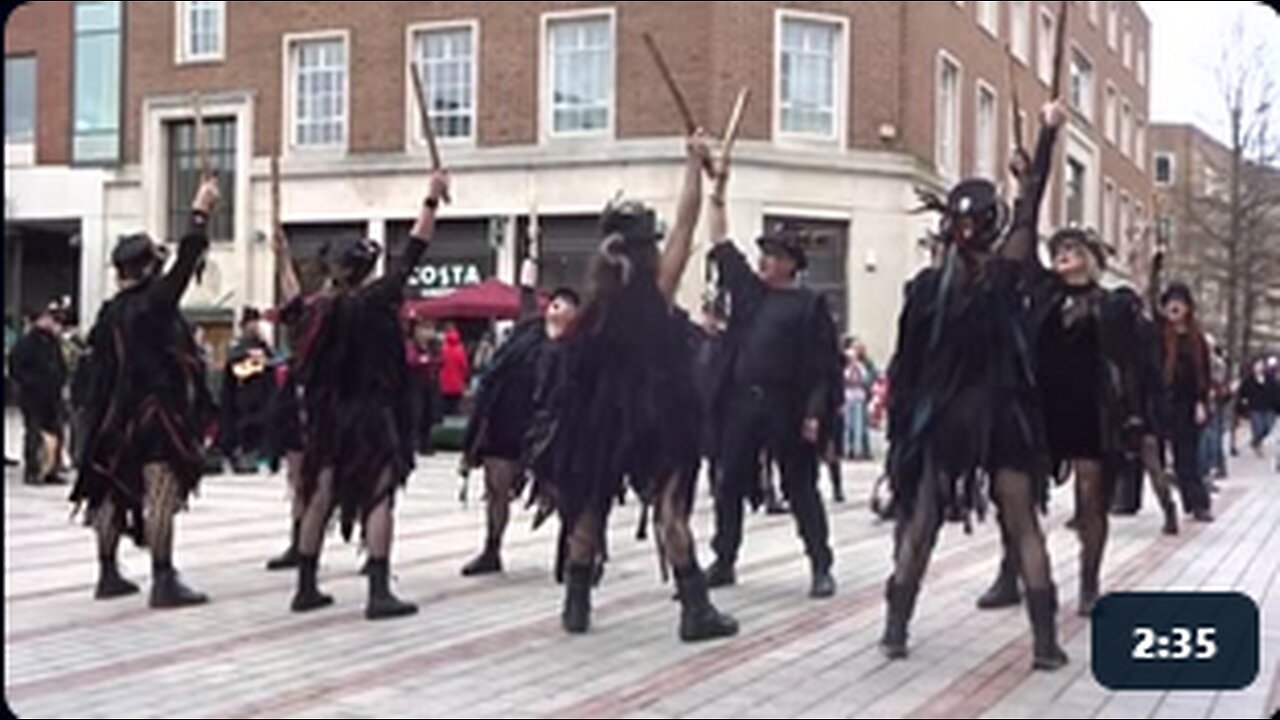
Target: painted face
[
  {"x": 1070, "y": 259},
  {"x": 1177, "y": 311},
  {"x": 561, "y": 313}
]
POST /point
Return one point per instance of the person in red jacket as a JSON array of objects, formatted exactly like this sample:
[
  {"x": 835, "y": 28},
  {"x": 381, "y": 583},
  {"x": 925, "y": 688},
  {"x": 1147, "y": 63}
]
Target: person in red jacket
[{"x": 454, "y": 370}]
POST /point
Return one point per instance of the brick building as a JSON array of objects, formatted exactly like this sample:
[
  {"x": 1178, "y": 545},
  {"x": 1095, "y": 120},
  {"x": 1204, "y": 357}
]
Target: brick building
[
  {"x": 1188, "y": 166},
  {"x": 546, "y": 109}
]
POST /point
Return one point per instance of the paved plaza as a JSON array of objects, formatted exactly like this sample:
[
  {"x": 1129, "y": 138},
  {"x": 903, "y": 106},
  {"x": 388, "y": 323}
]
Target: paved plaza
[{"x": 493, "y": 647}]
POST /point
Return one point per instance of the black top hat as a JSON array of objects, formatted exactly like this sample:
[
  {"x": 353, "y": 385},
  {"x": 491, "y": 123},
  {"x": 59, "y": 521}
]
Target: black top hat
[
  {"x": 1087, "y": 239},
  {"x": 784, "y": 243},
  {"x": 348, "y": 255},
  {"x": 1178, "y": 291},
  {"x": 636, "y": 223},
  {"x": 568, "y": 294},
  {"x": 134, "y": 249}
]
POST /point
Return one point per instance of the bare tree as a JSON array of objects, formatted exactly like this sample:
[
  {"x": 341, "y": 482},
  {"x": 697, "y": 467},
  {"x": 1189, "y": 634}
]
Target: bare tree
[{"x": 1238, "y": 216}]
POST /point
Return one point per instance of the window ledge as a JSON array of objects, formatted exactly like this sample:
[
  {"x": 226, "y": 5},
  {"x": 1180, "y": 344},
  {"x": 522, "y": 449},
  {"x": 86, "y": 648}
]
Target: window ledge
[
  {"x": 19, "y": 154},
  {"x": 202, "y": 60}
]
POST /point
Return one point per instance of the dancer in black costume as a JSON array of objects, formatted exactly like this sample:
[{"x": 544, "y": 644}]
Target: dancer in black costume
[
  {"x": 777, "y": 392},
  {"x": 1184, "y": 368},
  {"x": 1089, "y": 372},
  {"x": 964, "y": 396},
  {"x": 624, "y": 406},
  {"x": 359, "y": 434},
  {"x": 505, "y": 407},
  {"x": 147, "y": 408}
]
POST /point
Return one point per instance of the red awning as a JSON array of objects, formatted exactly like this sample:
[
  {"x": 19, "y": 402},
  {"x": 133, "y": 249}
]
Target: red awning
[{"x": 491, "y": 299}]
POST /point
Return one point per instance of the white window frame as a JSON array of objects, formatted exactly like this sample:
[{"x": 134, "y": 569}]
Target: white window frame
[
  {"x": 416, "y": 139},
  {"x": 290, "y": 125},
  {"x": 1126, "y": 127},
  {"x": 1173, "y": 169},
  {"x": 1113, "y": 25},
  {"x": 1044, "y": 50},
  {"x": 1108, "y": 210},
  {"x": 182, "y": 36},
  {"x": 1140, "y": 67},
  {"x": 1095, "y": 12},
  {"x": 1140, "y": 143},
  {"x": 1087, "y": 168},
  {"x": 1123, "y": 213},
  {"x": 1021, "y": 51},
  {"x": 840, "y": 119},
  {"x": 1126, "y": 55},
  {"x": 992, "y": 173},
  {"x": 1111, "y": 107},
  {"x": 1089, "y": 109},
  {"x": 546, "y": 77},
  {"x": 985, "y": 7},
  {"x": 154, "y": 148},
  {"x": 949, "y": 168}
]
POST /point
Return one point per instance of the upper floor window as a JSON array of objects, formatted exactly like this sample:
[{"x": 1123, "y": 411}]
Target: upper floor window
[
  {"x": 809, "y": 77},
  {"x": 447, "y": 59},
  {"x": 581, "y": 67},
  {"x": 201, "y": 30}
]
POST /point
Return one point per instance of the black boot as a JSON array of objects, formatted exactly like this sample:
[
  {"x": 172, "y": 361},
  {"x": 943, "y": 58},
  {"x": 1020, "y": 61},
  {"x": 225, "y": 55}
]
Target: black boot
[
  {"x": 308, "y": 596},
  {"x": 721, "y": 575},
  {"x": 576, "y": 616},
  {"x": 699, "y": 619},
  {"x": 1042, "y": 607},
  {"x": 1088, "y": 595},
  {"x": 822, "y": 585},
  {"x": 1170, "y": 517},
  {"x": 110, "y": 583},
  {"x": 1004, "y": 591},
  {"x": 289, "y": 558},
  {"x": 488, "y": 562},
  {"x": 837, "y": 482},
  {"x": 168, "y": 591},
  {"x": 901, "y": 604},
  {"x": 382, "y": 604}
]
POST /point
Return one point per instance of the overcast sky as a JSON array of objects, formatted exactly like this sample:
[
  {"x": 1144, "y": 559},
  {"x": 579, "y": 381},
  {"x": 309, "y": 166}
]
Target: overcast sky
[{"x": 1188, "y": 39}]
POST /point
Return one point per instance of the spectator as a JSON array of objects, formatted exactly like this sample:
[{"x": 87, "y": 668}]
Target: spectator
[
  {"x": 454, "y": 371},
  {"x": 422, "y": 353},
  {"x": 1213, "y": 460},
  {"x": 1257, "y": 402},
  {"x": 482, "y": 358},
  {"x": 859, "y": 380},
  {"x": 39, "y": 368}
]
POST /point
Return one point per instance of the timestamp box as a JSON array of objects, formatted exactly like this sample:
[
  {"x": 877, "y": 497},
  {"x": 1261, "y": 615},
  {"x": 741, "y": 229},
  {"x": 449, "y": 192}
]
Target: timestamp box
[{"x": 1175, "y": 641}]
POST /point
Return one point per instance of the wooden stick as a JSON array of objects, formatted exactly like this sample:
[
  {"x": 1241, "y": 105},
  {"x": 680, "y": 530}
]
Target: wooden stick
[
  {"x": 275, "y": 196},
  {"x": 735, "y": 122},
  {"x": 690, "y": 125},
  {"x": 202, "y": 139},
  {"x": 1059, "y": 51},
  {"x": 424, "y": 111}
]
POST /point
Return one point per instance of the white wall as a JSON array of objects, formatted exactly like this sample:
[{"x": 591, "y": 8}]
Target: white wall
[{"x": 63, "y": 193}]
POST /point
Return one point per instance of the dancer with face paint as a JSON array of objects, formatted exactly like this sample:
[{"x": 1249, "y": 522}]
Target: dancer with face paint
[
  {"x": 624, "y": 406},
  {"x": 505, "y": 406},
  {"x": 965, "y": 399}
]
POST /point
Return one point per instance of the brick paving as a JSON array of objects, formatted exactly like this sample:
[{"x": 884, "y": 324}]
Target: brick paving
[{"x": 493, "y": 648}]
